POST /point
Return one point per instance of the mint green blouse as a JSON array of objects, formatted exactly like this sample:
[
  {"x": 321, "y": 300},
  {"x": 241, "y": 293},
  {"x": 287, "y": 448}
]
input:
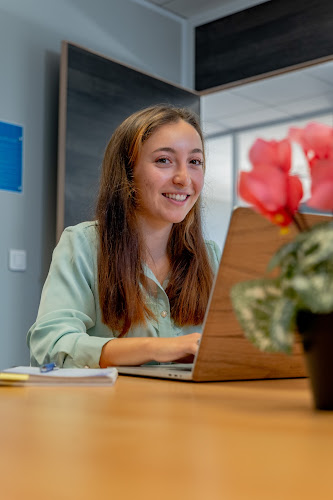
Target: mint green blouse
[{"x": 69, "y": 329}]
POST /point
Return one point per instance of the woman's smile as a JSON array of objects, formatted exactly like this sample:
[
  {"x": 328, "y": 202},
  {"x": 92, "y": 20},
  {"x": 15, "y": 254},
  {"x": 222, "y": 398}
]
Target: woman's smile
[{"x": 176, "y": 197}]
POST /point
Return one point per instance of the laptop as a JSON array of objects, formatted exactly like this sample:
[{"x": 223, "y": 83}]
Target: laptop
[{"x": 224, "y": 352}]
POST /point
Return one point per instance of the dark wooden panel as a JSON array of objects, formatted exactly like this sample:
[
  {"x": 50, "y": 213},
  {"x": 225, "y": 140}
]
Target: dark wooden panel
[
  {"x": 265, "y": 38},
  {"x": 99, "y": 94}
]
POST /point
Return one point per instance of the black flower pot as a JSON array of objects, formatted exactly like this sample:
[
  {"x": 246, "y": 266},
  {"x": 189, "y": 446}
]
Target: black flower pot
[{"x": 316, "y": 331}]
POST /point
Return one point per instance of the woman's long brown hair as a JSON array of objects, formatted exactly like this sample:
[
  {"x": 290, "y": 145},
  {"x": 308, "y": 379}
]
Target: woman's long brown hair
[{"x": 122, "y": 283}]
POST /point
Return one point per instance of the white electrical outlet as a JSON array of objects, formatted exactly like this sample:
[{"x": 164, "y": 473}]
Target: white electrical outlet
[{"x": 17, "y": 260}]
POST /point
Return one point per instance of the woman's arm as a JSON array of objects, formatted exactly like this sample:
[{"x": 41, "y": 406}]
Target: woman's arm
[
  {"x": 139, "y": 350},
  {"x": 136, "y": 351},
  {"x": 68, "y": 306}
]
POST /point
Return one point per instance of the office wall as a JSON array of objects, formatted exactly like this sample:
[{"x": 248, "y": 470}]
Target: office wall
[{"x": 30, "y": 35}]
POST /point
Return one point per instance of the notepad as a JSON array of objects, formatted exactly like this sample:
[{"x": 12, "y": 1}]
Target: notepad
[{"x": 28, "y": 375}]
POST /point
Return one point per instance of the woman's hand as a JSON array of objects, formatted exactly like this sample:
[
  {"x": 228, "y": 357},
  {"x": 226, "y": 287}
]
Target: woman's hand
[
  {"x": 136, "y": 351},
  {"x": 175, "y": 348}
]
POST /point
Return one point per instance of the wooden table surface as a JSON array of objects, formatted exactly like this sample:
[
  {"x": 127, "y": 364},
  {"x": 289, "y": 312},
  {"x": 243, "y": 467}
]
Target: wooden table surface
[{"x": 155, "y": 439}]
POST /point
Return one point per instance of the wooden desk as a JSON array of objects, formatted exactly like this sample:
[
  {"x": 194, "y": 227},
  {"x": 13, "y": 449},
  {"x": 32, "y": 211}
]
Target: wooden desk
[{"x": 151, "y": 439}]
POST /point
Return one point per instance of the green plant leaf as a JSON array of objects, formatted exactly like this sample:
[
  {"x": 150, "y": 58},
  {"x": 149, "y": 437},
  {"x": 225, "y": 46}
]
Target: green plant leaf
[
  {"x": 282, "y": 324},
  {"x": 317, "y": 248},
  {"x": 255, "y": 304},
  {"x": 288, "y": 251},
  {"x": 314, "y": 291}
]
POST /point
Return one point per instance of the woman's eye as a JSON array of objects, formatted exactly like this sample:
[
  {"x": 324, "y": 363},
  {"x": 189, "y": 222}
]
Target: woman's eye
[
  {"x": 164, "y": 161},
  {"x": 196, "y": 162}
]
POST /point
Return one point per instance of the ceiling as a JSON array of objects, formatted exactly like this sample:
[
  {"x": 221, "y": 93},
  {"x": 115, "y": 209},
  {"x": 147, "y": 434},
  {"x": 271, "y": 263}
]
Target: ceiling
[
  {"x": 189, "y": 8},
  {"x": 291, "y": 95},
  {"x": 201, "y": 11}
]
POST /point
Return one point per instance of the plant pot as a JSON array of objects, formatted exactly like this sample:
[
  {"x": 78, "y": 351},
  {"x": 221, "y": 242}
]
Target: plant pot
[{"x": 316, "y": 331}]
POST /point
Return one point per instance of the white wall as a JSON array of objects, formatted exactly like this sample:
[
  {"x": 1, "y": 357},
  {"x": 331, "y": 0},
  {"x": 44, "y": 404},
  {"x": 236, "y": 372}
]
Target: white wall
[{"x": 30, "y": 36}]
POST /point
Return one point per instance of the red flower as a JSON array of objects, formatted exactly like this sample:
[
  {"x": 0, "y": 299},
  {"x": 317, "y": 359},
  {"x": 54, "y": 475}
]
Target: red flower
[
  {"x": 322, "y": 185},
  {"x": 316, "y": 140},
  {"x": 269, "y": 187},
  {"x": 273, "y": 153},
  {"x": 272, "y": 191}
]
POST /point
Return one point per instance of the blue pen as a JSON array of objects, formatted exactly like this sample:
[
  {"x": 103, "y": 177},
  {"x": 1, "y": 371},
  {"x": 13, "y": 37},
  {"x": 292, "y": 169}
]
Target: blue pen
[{"x": 48, "y": 367}]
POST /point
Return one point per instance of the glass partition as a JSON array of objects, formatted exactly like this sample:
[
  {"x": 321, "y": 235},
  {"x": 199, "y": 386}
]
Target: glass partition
[{"x": 233, "y": 118}]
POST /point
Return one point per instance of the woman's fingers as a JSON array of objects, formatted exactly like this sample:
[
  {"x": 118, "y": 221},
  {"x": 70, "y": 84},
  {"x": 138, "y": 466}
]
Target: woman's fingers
[
  {"x": 140, "y": 350},
  {"x": 171, "y": 349}
]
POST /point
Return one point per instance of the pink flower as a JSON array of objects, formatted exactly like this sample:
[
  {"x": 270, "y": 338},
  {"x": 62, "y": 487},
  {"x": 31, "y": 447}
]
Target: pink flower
[
  {"x": 316, "y": 140},
  {"x": 272, "y": 191},
  {"x": 322, "y": 185},
  {"x": 273, "y": 153}
]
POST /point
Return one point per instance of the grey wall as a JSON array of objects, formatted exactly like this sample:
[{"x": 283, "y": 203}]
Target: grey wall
[{"x": 30, "y": 35}]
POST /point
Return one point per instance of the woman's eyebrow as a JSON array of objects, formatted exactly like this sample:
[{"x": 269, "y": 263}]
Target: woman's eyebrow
[
  {"x": 171, "y": 150},
  {"x": 164, "y": 148}
]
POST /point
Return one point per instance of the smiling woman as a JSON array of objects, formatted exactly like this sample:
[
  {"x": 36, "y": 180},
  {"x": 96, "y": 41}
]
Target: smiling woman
[{"x": 124, "y": 289}]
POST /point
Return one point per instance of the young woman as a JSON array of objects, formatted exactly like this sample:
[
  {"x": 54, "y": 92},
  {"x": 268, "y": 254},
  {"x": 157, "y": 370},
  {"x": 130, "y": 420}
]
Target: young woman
[{"x": 133, "y": 286}]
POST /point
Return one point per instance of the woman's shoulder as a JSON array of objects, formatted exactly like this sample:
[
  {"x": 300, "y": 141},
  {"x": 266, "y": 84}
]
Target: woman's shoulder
[
  {"x": 82, "y": 230},
  {"x": 83, "y": 227},
  {"x": 81, "y": 237},
  {"x": 214, "y": 253},
  {"x": 213, "y": 246}
]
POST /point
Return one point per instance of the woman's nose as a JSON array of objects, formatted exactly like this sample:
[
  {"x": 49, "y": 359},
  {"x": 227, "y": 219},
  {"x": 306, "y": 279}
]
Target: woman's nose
[{"x": 182, "y": 177}]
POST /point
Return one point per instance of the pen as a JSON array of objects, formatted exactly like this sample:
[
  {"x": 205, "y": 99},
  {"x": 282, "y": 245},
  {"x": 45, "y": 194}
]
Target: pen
[{"x": 48, "y": 367}]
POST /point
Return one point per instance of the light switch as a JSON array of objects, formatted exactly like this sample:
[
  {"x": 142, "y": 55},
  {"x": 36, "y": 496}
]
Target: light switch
[{"x": 17, "y": 260}]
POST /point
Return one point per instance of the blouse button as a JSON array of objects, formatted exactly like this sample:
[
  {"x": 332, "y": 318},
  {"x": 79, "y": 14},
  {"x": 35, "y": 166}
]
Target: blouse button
[{"x": 164, "y": 314}]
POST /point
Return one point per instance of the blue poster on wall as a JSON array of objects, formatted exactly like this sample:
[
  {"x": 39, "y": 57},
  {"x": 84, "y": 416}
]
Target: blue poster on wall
[{"x": 11, "y": 156}]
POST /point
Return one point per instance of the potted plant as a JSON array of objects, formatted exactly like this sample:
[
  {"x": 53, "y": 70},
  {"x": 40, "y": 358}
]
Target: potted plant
[{"x": 297, "y": 293}]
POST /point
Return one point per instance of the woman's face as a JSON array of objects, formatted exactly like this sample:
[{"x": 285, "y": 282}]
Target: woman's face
[{"x": 168, "y": 174}]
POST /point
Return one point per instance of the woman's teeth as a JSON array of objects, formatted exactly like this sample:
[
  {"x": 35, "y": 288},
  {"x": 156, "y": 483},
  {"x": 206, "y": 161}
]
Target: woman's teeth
[{"x": 177, "y": 197}]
